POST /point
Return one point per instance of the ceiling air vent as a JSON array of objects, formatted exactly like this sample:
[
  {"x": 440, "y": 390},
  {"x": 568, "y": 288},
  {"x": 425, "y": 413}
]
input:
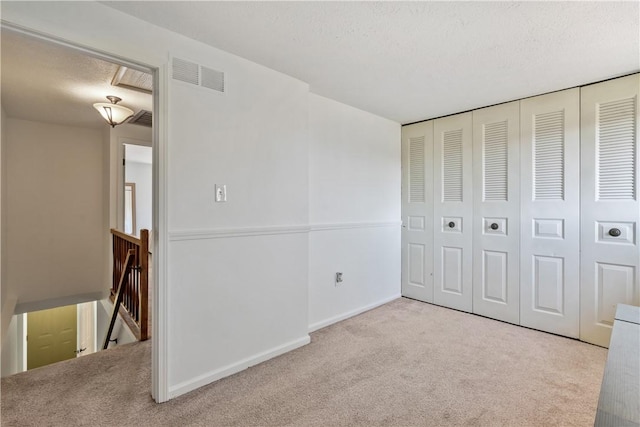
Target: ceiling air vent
[
  {"x": 142, "y": 118},
  {"x": 198, "y": 75}
]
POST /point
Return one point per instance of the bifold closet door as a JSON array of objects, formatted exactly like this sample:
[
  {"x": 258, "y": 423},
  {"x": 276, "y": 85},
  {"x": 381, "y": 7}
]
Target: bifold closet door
[
  {"x": 496, "y": 209},
  {"x": 610, "y": 208},
  {"x": 453, "y": 212},
  {"x": 550, "y": 212},
  {"x": 417, "y": 211}
]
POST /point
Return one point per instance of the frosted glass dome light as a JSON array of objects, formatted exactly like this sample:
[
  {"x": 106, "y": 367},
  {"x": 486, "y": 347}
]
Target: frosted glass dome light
[{"x": 112, "y": 113}]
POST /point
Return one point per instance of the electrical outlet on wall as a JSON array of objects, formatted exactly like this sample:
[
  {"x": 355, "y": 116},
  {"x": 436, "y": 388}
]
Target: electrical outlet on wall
[{"x": 338, "y": 278}]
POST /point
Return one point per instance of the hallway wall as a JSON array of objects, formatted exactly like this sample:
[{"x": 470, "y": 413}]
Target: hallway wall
[{"x": 54, "y": 237}]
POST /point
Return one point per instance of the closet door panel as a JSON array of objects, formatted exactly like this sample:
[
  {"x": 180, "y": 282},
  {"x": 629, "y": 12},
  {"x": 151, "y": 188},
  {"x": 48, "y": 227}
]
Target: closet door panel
[
  {"x": 496, "y": 209},
  {"x": 550, "y": 212},
  {"x": 453, "y": 211},
  {"x": 417, "y": 211},
  {"x": 610, "y": 208}
]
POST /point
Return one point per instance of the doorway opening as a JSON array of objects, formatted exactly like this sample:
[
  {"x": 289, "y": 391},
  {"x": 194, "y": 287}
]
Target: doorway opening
[{"x": 75, "y": 191}]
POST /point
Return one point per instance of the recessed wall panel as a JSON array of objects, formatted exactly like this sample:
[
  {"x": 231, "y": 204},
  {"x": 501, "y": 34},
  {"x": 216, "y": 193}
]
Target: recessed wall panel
[
  {"x": 548, "y": 284},
  {"x": 621, "y": 233},
  {"x": 548, "y": 228},
  {"x": 615, "y": 285},
  {"x": 416, "y": 264},
  {"x": 452, "y": 270},
  {"x": 495, "y": 279}
]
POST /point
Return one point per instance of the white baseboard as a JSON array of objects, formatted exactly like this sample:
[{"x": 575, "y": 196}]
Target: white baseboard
[
  {"x": 202, "y": 380},
  {"x": 335, "y": 319}
]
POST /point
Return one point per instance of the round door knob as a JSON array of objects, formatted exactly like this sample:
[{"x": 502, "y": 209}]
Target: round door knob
[
  {"x": 494, "y": 226},
  {"x": 452, "y": 224},
  {"x": 615, "y": 232}
]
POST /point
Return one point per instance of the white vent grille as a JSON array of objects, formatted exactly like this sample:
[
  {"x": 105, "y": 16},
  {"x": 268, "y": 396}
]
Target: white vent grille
[
  {"x": 186, "y": 71},
  {"x": 616, "y": 139},
  {"x": 416, "y": 170},
  {"x": 548, "y": 155},
  {"x": 190, "y": 72},
  {"x": 212, "y": 79},
  {"x": 452, "y": 166},
  {"x": 495, "y": 157}
]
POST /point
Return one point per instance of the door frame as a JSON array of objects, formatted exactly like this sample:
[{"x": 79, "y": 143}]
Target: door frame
[{"x": 159, "y": 69}]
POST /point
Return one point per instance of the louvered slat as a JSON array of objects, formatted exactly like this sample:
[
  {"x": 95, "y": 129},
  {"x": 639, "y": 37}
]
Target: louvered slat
[
  {"x": 616, "y": 150},
  {"x": 548, "y": 156},
  {"x": 416, "y": 170},
  {"x": 495, "y": 161},
  {"x": 452, "y": 166}
]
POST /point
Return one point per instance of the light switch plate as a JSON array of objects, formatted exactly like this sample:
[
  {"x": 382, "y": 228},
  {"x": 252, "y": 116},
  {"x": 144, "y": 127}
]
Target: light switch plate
[{"x": 221, "y": 193}]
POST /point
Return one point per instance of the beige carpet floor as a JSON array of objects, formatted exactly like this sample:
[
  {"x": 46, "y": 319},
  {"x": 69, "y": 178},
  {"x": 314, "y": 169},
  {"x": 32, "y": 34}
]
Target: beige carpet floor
[{"x": 406, "y": 363}]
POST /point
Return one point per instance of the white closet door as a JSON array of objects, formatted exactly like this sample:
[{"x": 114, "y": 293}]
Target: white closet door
[
  {"x": 550, "y": 203},
  {"x": 453, "y": 212},
  {"x": 610, "y": 208},
  {"x": 496, "y": 212},
  {"x": 417, "y": 211}
]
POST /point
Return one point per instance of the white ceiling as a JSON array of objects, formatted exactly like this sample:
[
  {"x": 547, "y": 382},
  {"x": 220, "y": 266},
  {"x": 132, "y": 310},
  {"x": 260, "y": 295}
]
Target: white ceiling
[
  {"x": 409, "y": 61},
  {"x": 50, "y": 83}
]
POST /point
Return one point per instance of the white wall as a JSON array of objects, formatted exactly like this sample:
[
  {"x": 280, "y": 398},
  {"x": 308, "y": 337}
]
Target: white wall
[
  {"x": 238, "y": 270},
  {"x": 55, "y": 247},
  {"x": 354, "y": 210},
  {"x": 140, "y": 174}
]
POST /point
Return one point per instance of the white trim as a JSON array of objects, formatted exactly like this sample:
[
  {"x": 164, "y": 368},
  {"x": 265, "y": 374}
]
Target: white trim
[
  {"x": 353, "y": 225},
  {"x": 220, "y": 233},
  {"x": 160, "y": 302},
  {"x": 335, "y": 319},
  {"x": 201, "y": 380},
  {"x": 72, "y": 44}
]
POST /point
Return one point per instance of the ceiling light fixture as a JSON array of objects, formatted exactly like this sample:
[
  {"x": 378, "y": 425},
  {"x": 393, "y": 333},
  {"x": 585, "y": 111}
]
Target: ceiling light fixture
[{"x": 112, "y": 113}]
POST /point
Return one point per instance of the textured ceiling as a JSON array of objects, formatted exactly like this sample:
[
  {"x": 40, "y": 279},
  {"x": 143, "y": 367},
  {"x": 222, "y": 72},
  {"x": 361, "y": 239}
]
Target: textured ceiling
[
  {"x": 46, "y": 82},
  {"x": 409, "y": 61}
]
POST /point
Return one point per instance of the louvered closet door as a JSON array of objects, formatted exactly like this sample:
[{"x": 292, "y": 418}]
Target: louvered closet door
[
  {"x": 550, "y": 212},
  {"x": 453, "y": 212},
  {"x": 610, "y": 208},
  {"x": 417, "y": 211},
  {"x": 496, "y": 208}
]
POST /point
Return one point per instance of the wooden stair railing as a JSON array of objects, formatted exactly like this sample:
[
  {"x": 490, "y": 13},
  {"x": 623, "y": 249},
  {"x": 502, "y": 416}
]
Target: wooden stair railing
[
  {"x": 134, "y": 306},
  {"x": 122, "y": 284}
]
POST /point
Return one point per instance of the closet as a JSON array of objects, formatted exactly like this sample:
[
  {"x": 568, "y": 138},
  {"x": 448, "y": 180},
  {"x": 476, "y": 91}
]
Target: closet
[{"x": 527, "y": 212}]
